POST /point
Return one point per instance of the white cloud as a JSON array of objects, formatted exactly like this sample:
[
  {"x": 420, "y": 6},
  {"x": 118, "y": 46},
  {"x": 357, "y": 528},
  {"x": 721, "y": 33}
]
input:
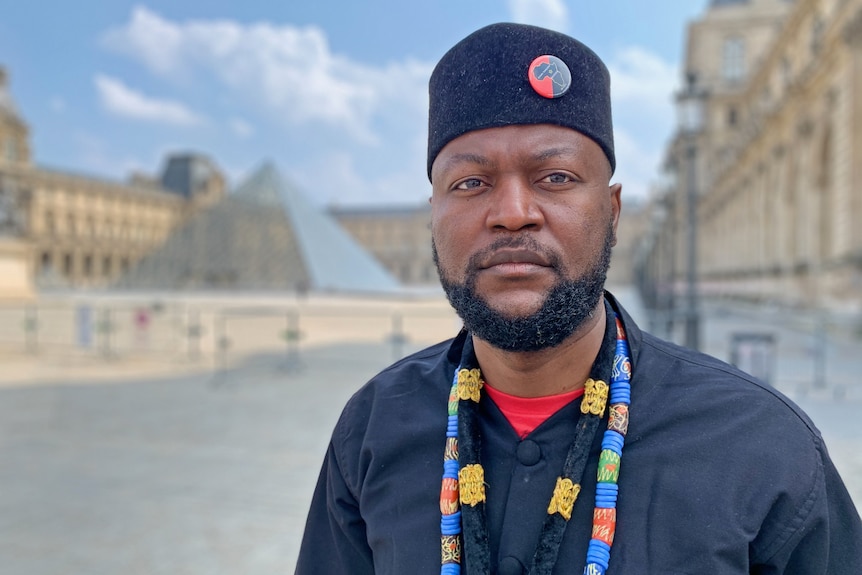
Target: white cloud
[
  {"x": 290, "y": 70},
  {"x": 121, "y": 100},
  {"x": 551, "y": 14},
  {"x": 283, "y": 75},
  {"x": 642, "y": 86},
  {"x": 636, "y": 164},
  {"x": 241, "y": 128},
  {"x": 641, "y": 77},
  {"x": 150, "y": 38}
]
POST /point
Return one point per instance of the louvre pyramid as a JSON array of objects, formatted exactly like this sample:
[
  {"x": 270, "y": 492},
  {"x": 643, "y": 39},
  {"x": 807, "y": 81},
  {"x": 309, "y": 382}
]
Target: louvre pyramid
[{"x": 265, "y": 236}]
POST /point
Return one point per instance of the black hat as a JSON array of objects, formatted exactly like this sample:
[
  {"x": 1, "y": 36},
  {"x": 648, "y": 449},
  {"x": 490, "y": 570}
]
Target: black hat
[{"x": 509, "y": 74}]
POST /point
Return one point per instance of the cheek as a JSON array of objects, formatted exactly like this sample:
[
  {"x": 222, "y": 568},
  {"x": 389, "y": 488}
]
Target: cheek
[
  {"x": 444, "y": 244},
  {"x": 583, "y": 236},
  {"x": 452, "y": 244}
]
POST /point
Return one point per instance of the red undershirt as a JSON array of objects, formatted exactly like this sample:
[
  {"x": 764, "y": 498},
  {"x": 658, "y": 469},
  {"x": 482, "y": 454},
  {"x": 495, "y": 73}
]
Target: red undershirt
[{"x": 527, "y": 413}]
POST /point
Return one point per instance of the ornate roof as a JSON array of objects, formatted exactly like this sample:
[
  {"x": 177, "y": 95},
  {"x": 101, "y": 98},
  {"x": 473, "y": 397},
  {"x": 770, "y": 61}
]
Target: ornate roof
[{"x": 7, "y": 105}]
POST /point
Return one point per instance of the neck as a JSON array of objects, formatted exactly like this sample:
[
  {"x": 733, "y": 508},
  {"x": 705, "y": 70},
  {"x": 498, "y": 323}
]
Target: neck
[{"x": 551, "y": 371}]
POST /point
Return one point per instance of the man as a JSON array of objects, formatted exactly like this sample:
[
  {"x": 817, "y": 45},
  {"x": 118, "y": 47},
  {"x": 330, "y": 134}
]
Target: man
[{"x": 510, "y": 449}]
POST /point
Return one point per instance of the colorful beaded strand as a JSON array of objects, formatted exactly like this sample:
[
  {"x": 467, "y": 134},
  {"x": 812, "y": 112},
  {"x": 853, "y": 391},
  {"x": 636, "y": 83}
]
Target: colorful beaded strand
[
  {"x": 466, "y": 387},
  {"x": 450, "y": 510},
  {"x": 607, "y": 489}
]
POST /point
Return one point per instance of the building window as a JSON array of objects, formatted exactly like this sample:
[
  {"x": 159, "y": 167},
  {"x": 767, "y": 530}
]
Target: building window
[
  {"x": 786, "y": 72},
  {"x": 106, "y": 266},
  {"x": 50, "y": 225},
  {"x": 46, "y": 261},
  {"x": 11, "y": 151},
  {"x": 732, "y": 117},
  {"x": 88, "y": 266},
  {"x": 67, "y": 265},
  {"x": 817, "y": 29},
  {"x": 734, "y": 59}
]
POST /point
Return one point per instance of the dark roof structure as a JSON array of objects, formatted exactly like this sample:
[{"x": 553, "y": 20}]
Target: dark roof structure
[
  {"x": 264, "y": 237},
  {"x": 184, "y": 173}
]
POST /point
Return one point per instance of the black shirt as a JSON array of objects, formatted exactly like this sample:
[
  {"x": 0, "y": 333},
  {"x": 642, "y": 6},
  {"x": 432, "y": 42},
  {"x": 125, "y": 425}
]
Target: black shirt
[{"x": 720, "y": 474}]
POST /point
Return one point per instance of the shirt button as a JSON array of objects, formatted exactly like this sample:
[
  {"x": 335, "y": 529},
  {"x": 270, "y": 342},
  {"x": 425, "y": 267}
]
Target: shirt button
[
  {"x": 529, "y": 452},
  {"x": 510, "y": 566}
]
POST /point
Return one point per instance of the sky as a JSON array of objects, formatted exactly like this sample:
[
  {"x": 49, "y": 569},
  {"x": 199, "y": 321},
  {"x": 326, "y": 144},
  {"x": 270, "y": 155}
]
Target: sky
[{"x": 334, "y": 92}]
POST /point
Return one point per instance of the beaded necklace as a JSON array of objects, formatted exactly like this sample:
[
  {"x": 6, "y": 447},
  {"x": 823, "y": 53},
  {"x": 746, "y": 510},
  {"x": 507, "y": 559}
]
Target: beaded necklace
[{"x": 462, "y": 495}]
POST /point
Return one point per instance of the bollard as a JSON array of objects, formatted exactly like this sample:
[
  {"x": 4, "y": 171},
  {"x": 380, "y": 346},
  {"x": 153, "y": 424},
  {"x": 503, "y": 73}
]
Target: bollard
[
  {"x": 821, "y": 344},
  {"x": 193, "y": 335},
  {"x": 84, "y": 322},
  {"x": 105, "y": 326},
  {"x": 397, "y": 338},
  {"x": 292, "y": 335},
  {"x": 222, "y": 345},
  {"x": 31, "y": 330}
]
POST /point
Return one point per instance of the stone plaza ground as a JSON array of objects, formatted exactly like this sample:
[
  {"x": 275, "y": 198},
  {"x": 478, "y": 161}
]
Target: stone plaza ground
[{"x": 120, "y": 464}]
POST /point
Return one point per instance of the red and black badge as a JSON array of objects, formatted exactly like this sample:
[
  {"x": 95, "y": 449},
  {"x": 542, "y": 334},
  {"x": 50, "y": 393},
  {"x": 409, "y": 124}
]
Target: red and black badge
[{"x": 549, "y": 76}]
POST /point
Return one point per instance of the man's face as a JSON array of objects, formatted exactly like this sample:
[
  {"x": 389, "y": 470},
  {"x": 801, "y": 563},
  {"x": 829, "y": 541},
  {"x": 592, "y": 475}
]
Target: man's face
[{"x": 522, "y": 221}]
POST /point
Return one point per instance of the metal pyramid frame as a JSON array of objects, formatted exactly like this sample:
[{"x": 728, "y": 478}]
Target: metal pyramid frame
[{"x": 266, "y": 237}]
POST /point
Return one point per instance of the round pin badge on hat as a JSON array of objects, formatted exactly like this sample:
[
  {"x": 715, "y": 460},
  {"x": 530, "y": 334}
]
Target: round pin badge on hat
[{"x": 549, "y": 76}]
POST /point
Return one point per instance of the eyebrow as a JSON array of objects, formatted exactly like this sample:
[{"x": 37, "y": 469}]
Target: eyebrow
[
  {"x": 554, "y": 153},
  {"x": 465, "y": 158},
  {"x": 469, "y": 158}
]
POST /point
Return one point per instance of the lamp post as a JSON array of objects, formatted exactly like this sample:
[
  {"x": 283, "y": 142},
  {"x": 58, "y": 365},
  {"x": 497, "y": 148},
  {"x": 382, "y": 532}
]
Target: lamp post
[
  {"x": 669, "y": 280},
  {"x": 690, "y": 108}
]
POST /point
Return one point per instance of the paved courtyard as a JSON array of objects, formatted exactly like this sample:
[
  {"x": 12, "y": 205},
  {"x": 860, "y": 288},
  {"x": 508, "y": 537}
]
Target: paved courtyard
[
  {"x": 189, "y": 475},
  {"x": 211, "y": 473}
]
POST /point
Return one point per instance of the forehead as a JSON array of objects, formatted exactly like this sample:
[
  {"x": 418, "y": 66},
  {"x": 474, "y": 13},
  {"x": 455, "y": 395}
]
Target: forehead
[{"x": 529, "y": 142}]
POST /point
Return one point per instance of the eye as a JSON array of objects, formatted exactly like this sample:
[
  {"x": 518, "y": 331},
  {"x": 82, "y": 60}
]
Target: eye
[
  {"x": 469, "y": 184},
  {"x": 557, "y": 178}
]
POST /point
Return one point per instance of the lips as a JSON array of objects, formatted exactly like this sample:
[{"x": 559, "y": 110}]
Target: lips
[{"x": 515, "y": 256}]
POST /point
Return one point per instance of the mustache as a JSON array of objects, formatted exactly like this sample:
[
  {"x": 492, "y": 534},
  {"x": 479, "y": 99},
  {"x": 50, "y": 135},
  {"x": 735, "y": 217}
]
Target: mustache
[{"x": 524, "y": 242}]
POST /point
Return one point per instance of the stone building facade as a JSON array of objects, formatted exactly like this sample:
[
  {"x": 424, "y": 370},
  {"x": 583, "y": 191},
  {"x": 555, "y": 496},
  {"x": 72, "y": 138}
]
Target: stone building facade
[
  {"x": 66, "y": 230},
  {"x": 776, "y": 163}
]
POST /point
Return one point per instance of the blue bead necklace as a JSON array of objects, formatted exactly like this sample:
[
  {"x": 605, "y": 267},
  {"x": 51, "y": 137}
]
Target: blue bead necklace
[{"x": 462, "y": 495}]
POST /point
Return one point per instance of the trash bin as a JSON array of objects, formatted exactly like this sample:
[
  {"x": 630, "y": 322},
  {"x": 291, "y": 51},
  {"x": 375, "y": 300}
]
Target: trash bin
[{"x": 754, "y": 353}]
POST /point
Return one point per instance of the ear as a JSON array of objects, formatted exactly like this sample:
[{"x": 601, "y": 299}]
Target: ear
[{"x": 615, "y": 192}]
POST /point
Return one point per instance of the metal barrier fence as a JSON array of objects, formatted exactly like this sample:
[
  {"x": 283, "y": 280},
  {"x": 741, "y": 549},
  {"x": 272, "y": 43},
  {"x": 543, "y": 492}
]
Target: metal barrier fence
[
  {"x": 799, "y": 351},
  {"x": 222, "y": 335}
]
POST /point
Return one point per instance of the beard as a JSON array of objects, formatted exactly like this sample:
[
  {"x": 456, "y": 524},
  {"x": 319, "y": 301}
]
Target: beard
[{"x": 567, "y": 305}]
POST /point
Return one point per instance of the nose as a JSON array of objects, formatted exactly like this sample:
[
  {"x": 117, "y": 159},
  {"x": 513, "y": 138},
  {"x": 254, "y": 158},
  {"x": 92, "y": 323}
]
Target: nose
[{"x": 514, "y": 206}]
